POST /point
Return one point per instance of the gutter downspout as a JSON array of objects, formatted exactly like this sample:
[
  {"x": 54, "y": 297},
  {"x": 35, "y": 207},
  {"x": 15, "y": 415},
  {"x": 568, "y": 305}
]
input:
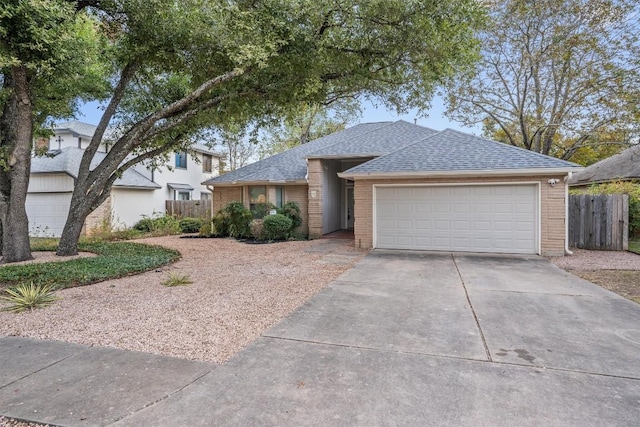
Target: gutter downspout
[
  {"x": 210, "y": 188},
  {"x": 566, "y": 214}
]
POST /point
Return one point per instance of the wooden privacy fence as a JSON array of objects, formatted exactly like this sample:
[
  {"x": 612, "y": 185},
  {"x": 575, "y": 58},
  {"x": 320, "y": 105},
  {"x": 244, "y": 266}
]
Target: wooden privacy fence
[
  {"x": 189, "y": 208},
  {"x": 599, "y": 221}
]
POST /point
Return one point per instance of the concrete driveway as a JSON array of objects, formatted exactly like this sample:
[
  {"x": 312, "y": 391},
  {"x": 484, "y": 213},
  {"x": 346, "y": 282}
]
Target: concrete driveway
[{"x": 432, "y": 339}]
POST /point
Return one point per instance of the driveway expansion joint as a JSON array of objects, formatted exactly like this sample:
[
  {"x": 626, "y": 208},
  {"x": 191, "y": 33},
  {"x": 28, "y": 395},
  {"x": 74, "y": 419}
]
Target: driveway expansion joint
[
  {"x": 382, "y": 350},
  {"x": 166, "y": 396},
  {"x": 573, "y": 371},
  {"x": 473, "y": 311}
]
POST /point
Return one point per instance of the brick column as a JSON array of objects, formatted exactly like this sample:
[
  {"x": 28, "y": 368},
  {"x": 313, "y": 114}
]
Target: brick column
[{"x": 314, "y": 172}]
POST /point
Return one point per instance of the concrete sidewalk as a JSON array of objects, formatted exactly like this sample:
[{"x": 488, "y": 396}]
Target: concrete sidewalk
[
  {"x": 72, "y": 385},
  {"x": 400, "y": 339}
]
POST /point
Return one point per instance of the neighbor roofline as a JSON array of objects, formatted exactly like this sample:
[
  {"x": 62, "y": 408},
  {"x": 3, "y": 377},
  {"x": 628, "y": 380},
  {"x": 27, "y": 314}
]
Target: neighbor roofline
[
  {"x": 604, "y": 181},
  {"x": 455, "y": 173},
  {"x": 137, "y": 187},
  {"x": 65, "y": 172}
]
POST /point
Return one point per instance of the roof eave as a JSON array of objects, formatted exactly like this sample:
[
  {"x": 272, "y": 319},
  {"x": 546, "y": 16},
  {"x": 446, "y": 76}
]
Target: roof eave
[
  {"x": 343, "y": 156},
  {"x": 262, "y": 182},
  {"x": 457, "y": 173},
  {"x": 136, "y": 187}
]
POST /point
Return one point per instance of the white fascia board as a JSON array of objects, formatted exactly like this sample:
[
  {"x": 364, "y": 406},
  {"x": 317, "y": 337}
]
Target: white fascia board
[{"x": 478, "y": 173}]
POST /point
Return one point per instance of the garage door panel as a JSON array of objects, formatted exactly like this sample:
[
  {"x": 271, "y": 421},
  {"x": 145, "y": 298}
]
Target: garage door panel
[
  {"x": 484, "y": 218},
  {"x": 47, "y": 213}
]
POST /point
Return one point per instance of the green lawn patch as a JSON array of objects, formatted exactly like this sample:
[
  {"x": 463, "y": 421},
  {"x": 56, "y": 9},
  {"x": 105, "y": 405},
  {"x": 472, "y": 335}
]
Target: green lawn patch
[
  {"x": 113, "y": 260},
  {"x": 634, "y": 245}
]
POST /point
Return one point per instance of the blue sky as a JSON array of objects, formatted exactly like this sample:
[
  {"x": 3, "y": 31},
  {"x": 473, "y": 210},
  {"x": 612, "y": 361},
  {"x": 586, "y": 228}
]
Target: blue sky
[{"x": 90, "y": 113}]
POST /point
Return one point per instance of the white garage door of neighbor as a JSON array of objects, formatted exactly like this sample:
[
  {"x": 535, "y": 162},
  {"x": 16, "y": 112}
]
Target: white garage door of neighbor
[
  {"x": 476, "y": 218},
  {"x": 47, "y": 213}
]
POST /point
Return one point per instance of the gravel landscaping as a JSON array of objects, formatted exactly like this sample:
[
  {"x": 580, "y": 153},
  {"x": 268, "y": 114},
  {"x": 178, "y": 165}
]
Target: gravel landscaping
[
  {"x": 238, "y": 291},
  {"x": 618, "y": 272}
]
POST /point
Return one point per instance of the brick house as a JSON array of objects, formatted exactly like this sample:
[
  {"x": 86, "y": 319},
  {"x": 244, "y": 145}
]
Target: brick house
[{"x": 402, "y": 186}]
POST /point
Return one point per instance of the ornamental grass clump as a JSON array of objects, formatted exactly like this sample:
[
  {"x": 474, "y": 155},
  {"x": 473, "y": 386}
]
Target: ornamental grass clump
[
  {"x": 175, "y": 279},
  {"x": 28, "y": 297}
]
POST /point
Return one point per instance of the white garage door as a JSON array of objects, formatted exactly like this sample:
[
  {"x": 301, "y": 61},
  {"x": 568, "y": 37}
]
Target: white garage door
[
  {"x": 482, "y": 218},
  {"x": 47, "y": 213}
]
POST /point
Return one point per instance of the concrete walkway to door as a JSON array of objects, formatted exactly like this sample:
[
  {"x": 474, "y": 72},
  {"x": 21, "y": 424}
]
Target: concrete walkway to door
[{"x": 408, "y": 338}]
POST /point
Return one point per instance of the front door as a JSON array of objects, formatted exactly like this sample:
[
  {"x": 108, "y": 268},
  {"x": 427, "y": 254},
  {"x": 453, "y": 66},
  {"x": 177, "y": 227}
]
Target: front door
[{"x": 349, "y": 204}]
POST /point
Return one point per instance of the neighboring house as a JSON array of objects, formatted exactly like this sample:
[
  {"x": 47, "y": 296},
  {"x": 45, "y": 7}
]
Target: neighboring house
[
  {"x": 404, "y": 186},
  {"x": 140, "y": 191},
  {"x": 624, "y": 166}
]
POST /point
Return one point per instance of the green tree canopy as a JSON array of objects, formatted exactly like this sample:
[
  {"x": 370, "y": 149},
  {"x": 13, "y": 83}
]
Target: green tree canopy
[
  {"x": 183, "y": 66},
  {"x": 50, "y": 58}
]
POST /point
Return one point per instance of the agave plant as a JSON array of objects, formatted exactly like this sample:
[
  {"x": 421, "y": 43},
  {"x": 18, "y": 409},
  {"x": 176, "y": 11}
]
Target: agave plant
[{"x": 28, "y": 297}]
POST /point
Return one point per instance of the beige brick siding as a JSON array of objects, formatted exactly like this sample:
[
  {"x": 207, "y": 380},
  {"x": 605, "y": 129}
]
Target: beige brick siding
[
  {"x": 300, "y": 195},
  {"x": 99, "y": 219},
  {"x": 292, "y": 193},
  {"x": 224, "y": 195},
  {"x": 315, "y": 179},
  {"x": 552, "y": 208}
]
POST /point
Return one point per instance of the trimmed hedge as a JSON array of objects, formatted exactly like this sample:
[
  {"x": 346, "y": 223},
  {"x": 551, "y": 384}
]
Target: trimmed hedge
[{"x": 276, "y": 227}]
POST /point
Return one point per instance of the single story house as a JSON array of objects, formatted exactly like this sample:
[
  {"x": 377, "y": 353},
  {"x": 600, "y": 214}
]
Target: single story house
[
  {"x": 142, "y": 190},
  {"x": 399, "y": 185},
  {"x": 624, "y": 166}
]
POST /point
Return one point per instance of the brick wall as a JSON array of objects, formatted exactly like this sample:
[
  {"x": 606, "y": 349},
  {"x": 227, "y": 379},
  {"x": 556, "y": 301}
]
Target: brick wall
[
  {"x": 314, "y": 171},
  {"x": 552, "y": 208},
  {"x": 224, "y": 195},
  {"x": 99, "y": 219},
  {"x": 293, "y": 193},
  {"x": 300, "y": 195}
]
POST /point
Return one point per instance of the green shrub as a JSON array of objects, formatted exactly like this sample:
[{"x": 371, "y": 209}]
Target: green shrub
[
  {"x": 28, "y": 297},
  {"x": 292, "y": 211},
  {"x": 232, "y": 220},
  {"x": 257, "y": 230},
  {"x": 190, "y": 225},
  {"x": 276, "y": 227},
  {"x": 158, "y": 225},
  {"x": 206, "y": 229},
  {"x": 260, "y": 210},
  {"x": 145, "y": 225}
]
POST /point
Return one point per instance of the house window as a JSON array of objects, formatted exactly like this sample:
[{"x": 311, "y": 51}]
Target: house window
[
  {"x": 206, "y": 163},
  {"x": 279, "y": 196},
  {"x": 257, "y": 194},
  {"x": 205, "y": 196},
  {"x": 181, "y": 159},
  {"x": 183, "y": 195}
]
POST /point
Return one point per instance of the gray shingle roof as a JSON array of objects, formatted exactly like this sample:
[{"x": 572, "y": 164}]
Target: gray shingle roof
[
  {"x": 383, "y": 141},
  {"x": 87, "y": 130},
  {"x": 291, "y": 165},
  {"x": 68, "y": 160},
  {"x": 624, "y": 165},
  {"x": 451, "y": 150},
  {"x": 201, "y": 148},
  {"x": 77, "y": 127}
]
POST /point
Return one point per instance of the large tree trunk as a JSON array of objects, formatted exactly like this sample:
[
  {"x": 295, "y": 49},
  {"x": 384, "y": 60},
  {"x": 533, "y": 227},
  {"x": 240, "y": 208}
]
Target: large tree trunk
[
  {"x": 83, "y": 202},
  {"x": 15, "y": 140},
  {"x": 68, "y": 245}
]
